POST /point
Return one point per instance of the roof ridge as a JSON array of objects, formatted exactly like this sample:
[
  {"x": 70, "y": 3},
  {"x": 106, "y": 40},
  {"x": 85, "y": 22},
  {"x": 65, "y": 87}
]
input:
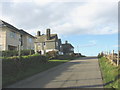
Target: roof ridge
[
  {"x": 9, "y": 25},
  {"x": 21, "y": 30}
]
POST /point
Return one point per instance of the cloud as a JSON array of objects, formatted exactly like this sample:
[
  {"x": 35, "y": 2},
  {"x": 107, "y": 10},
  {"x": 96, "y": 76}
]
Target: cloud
[
  {"x": 91, "y": 18},
  {"x": 96, "y": 18},
  {"x": 47, "y": 1}
]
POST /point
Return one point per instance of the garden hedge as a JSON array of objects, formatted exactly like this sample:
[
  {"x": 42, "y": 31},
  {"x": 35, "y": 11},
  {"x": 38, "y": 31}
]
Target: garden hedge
[
  {"x": 11, "y": 53},
  {"x": 13, "y": 65}
]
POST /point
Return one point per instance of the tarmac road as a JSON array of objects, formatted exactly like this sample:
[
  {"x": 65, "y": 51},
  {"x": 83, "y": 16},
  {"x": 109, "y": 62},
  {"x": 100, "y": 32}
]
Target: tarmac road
[{"x": 80, "y": 73}]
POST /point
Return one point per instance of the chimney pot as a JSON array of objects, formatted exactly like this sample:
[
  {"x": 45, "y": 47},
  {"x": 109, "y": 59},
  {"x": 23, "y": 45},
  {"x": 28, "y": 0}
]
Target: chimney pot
[{"x": 66, "y": 42}]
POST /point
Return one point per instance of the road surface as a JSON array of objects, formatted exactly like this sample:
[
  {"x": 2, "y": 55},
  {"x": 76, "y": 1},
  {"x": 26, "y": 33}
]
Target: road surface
[{"x": 80, "y": 73}]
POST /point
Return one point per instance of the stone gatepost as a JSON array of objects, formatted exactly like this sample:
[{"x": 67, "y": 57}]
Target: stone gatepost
[{"x": 118, "y": 57}]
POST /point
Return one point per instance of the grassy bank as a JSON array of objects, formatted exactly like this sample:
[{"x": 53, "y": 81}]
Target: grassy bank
[
  {"x": 15, "y": 70},
  {"x": 110, "y": 74}
]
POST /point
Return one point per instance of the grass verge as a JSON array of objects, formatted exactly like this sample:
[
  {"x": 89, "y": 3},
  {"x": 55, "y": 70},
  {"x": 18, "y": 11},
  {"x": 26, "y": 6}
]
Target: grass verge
[
  {"x": 110, "y": 74},
  {"x": 27, "y": 72}
]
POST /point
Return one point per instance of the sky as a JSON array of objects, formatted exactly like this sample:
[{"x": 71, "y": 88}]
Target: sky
[{"x": 91, "y": 26}]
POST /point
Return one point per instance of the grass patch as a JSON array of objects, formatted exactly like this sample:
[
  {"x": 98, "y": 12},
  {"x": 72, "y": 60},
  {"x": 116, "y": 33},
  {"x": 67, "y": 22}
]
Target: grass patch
[
  {"x": 27, "y": 71},
  {"x": 58, "y": 60},
  {"x": 110, "y": 74}
]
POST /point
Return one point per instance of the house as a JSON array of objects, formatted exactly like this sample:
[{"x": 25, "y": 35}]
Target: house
[
  {"x": 77, "y": 54},
  {"x": 12, "y": 38},
  {"x": 47, "y": 42},
  {"x": 60, "y": 47},
  {"x": 67, "y": 48}
]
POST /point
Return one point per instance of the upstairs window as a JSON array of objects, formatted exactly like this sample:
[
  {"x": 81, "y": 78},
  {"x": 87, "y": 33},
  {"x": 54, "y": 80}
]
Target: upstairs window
[
  {"x": 30, "y": 40},
  {"x": 72, "y": 49},
  {"x": 21, "y": 40},
  {"x": 56, "y": 43},
  {"x": 12, "y": 34}
]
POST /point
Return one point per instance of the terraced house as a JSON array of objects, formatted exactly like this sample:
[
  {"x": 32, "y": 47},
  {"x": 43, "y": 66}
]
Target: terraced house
[
  {"x": 12, "y": 38},
  {"x": 48, "y": 42}
]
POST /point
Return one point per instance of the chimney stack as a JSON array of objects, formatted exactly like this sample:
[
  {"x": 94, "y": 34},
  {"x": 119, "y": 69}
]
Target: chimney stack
[
  {"x": 38, "y": 33},
  {"x": 48, "y": 34},
  {"x": 66, "y": 42}
]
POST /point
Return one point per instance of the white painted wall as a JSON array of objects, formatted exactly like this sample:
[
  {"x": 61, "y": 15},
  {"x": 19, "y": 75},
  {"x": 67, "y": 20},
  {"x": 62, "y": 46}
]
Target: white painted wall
[{"x": 51, "y": 50}]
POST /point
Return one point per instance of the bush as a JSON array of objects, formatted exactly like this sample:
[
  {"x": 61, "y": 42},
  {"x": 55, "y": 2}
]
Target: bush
[
  {"x": 27, "y": 52},
  {"x": 9, "y": 53},
  {"x": 13, "y": 67},
  {"x": 52, "y": 54},
  {"x": 15, "y": 53}
]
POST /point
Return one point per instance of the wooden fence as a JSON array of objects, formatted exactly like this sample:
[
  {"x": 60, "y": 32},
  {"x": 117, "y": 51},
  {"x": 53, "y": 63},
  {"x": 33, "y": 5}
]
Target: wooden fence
[{"x": 114, "y": 58}]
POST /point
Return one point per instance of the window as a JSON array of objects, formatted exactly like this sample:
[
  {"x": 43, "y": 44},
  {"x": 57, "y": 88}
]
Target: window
[
  {"x": 30, "y": 40},
  {"x": 1, "y": 24},
  {"x": 12, "y": 34},
  {"x": 56, "y": 43},
  {"x": 43, "y": 43},
  {"x": 21, "y": 40},
  {"x": 10, "y": 47},
  {"x": 72, "y": 49},
  {"x": 60, "y": 46}
]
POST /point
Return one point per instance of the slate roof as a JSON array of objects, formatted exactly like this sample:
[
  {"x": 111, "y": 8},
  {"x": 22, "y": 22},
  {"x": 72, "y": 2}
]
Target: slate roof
[
  {"x": 24, "y": 32},
  {"x": 43, "y": 38},
  {"x": 68, "y": 45},
  {"x": 3, "y": 23}
]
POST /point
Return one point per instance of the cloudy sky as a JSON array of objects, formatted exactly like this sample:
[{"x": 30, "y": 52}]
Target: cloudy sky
[{"x": 90, "y": 25}]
